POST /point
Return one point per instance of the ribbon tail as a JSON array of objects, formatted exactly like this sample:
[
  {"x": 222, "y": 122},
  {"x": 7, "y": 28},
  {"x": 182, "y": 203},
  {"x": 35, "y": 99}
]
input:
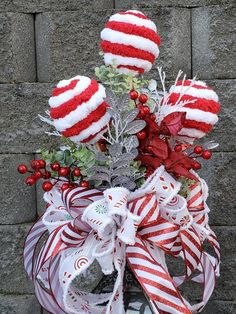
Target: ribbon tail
[
  {"x": 207, "y": 277},
  {"x": 75, "y": 262},
  {"x": 212, "y": 239},
  {"x": 51, "y": 246},
  {"x": 46, "y": 300},
  {"x": 30, "y": 246},
  {"x": 192, "y": 249},
  {"x": 155, "y": 280},
  {"x": 116, "y": 304}
]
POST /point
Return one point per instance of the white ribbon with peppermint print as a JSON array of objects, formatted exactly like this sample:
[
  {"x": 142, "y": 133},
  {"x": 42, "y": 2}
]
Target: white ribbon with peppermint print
[{"x": 119, "y": 226}]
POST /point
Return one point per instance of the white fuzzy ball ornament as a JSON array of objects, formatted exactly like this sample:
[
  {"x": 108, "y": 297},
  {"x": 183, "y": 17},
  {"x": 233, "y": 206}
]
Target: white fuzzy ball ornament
[
  {"x": 78, "y": 109},
  {"x": 130, "y": 42}
]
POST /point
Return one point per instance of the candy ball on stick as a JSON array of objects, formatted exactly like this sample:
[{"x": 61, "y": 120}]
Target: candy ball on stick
[
  {"x": 130, "y": 42},
  {"x": 78, "y": 109},
  {"x": 199, "y": 102}
]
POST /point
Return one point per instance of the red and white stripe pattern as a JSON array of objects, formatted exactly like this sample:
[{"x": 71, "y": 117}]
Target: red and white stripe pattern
[
  {"x": 76, "y": 200},
  {"x": 31, "y": 241},
  {"x": 192, "y": 249},
  {"x": 155, "y": 280},
  {"x": 212, "y": 238},
  {"x": 78, "y": 109},
  {"x": 146, "y": 207},
  {"x": 72, "y": 235},
  {"x": 195, "y": 199},
  {"x": 201, "y": 113},
  {"x": 130, "y": 41},
  {"x": 161, "y": 232}
]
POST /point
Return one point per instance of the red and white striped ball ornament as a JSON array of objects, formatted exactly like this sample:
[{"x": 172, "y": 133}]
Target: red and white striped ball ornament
[
  {"x": 130, "y": 42},
  {"x": 201, "y": 112},
  {"x": 78, "y": 109}
]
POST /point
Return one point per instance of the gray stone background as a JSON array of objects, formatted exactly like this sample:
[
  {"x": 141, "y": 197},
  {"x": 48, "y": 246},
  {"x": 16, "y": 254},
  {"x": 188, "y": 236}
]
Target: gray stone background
[{"x": 43, "y": 41}]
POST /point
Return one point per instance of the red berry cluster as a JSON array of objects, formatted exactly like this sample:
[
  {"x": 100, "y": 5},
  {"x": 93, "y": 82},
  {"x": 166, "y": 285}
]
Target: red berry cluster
[
  {"x": 144, "y": 110},
  {"x": 38, "y": 170},
  {"x": 199, "y": 152}
]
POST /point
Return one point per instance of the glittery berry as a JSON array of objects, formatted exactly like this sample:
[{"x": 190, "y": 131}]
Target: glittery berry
[
  {"x": 35, "y": 164},
  {"x": 143, "y": 98},
  {"x": 47, "y": 186},
  {"x": 55, "y": 166},
  {"x": 42, "y": 163},
  {"x": 146, "y": 110},
  {"x": 84, "y": 184},
  {"x": 206, "y": 154},
  {"x": 37, "y": 175},
  {"x": 65, "y": 186},
  {"x": 76, "y": 172},
  {"x": 196, "y": 166},
  {"x": 63, "y": 171},
  {"x": 178, "y": 148},
  {"x": 141, "y": 135},
  {"x": 30, "y": 180},
  {"x": 133, "y": 94},
  {"x": 198, "y": 150},
  {"x": 153, "y": 116},
  {"x": 22, "y": 169}
]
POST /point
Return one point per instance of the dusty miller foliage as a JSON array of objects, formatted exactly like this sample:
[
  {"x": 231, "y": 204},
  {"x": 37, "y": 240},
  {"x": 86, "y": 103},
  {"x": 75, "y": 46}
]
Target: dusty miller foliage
[{"x": 117, "y": 166}]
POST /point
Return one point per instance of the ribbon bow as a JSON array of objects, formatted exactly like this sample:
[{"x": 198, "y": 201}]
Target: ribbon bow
[{"x": 118, "y": 226}]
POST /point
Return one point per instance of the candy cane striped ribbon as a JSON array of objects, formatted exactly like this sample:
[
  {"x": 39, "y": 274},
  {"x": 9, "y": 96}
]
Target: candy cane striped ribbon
[
  {"x": 192, "y": 249},
  {"x": 31, "y": 241},
  {"x": 155, "y": 280},
  {"x": 195, "y": 199}
]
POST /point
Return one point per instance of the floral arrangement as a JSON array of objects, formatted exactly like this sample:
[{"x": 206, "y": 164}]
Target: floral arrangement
[{"x": 123, "y": 188}]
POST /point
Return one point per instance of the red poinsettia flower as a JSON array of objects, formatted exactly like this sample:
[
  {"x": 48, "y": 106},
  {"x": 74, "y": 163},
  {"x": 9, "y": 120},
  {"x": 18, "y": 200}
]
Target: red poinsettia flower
[
  {"x": 154, "y": 149},
  {"x": 172, "y": 123}
]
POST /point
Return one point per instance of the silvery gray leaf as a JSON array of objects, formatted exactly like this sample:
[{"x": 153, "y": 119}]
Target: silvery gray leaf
[
  {"x": 100, "y": 169},
  {"x": 131, "y": 142},
  {"x": 135, "y": 126},
  {"x": 129, "y": 116},
  {"x": 152, "y": 85},
  {"x": 118, "y": 103},
  {"x": 134, "y": 152},
  {"x": 124, "y": 160},
  {"x": 115, "y": 150},
  {"x": 123, "y": 102},
  {"x": 122, "y": 171},
  {"x": 101, "y": 157},
  {"x": 210, "y": 145},
  {"x": 100, "y": 176},
  {"x": 121, "y": 180},
  {"x": 130, "y": 185}
]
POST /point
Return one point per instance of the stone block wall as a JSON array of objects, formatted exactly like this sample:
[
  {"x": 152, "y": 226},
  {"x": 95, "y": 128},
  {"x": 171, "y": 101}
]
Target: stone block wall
[{"x": 43, "y": 41}]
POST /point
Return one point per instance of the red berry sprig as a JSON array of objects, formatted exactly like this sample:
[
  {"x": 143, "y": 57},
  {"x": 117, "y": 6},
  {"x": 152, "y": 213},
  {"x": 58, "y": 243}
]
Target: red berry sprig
[
  {"x": 38, "y": 170},
  {"x": 205, "y": 154},
  {"x": 199, "y": 153},
  {"x": 144, "y": 110}
]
